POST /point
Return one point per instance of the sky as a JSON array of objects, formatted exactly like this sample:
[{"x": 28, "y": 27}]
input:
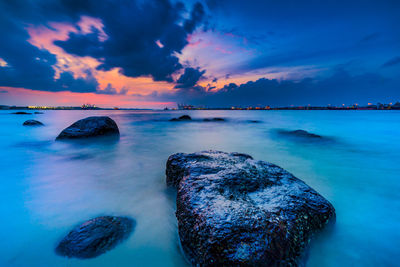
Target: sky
[{"x": 211, "y": 53}]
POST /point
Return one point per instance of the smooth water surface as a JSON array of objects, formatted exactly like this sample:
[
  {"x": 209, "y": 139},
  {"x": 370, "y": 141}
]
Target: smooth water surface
[{"x": 48, "y": 187}]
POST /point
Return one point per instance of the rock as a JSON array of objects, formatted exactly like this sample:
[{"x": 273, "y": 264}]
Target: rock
[
  {"x": 95, "y": 237},
  {"x": 300, "y": 133},
  {"x": 236, "y": 211},
  {"x": 182, "y": 118},
  {"x": 21, "y": 113},
  {"x": 32, "y": 123},
  {"x": 214, "y": 119},
  {"x": 90, "y": 127}
]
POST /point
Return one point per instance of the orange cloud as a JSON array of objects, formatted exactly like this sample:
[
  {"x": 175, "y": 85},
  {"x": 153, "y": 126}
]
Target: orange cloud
[{"x": 43, "y": 37}]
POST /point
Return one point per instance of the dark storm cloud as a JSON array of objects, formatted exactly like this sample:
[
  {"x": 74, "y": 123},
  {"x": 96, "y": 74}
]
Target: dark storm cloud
[
  {"x": 189, "y": 78},
  {"x": 110, "y": 90},
  {"x": 66, "y": 81},
  {"x": 28, "y": 66},
  {"x": 338, "y": 88},
  {"x": 133, "y": 30},
  {"x": 392, "y": 62},
  {"x": 197, "y": 17}
]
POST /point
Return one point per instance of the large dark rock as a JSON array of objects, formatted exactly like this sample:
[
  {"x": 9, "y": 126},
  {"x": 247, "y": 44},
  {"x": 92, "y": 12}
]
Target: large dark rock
[
  {"x": 182, "y": 118},
  {"x": 95, "y": 237},
  {"x": 90, "y": 127},
  {"x": 236, "y": 211},
  {"x": 32, "y": 123}
]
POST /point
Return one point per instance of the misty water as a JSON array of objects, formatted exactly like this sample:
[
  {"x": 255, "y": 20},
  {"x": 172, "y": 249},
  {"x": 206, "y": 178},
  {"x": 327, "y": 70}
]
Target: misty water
[{"x": 48, "y": 187}]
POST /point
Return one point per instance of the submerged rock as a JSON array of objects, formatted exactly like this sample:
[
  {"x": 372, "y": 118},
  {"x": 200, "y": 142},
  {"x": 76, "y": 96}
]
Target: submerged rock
[
  {"x": 300, "y": 133},
  {"x": 32, "y": 123},
  {"x": 90, "y": 127},
  {"x": 236, "y": 211},
  {"x": 21, "y": 113},
  {"x": 182, "y": 118},
  {"x": 214, "y": 119},
  {"x": 95, "y": 237}
]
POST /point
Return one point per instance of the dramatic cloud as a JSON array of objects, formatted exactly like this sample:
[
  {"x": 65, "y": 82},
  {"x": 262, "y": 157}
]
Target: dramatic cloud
[
  {"x": 336, "y": 89},
  {"x": 140, "y": 38},
  {"x": 261, "y": 52},
  {"x": 197, "y": 17},
  {"x": 25, "y": 65},
  {"x": 109, "y": 90},
  {"x": 189, "y": 78},
  {"x": 143, "y": 38},
  {"x": 68, "y": 82}
]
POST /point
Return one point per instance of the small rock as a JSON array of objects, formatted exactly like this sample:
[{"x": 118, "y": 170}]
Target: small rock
[
  {"x": 182, "y": 118},
  {"x": 90, "y": 127},
  {"x": 21, "y": 113},
  {"x": 214, "y": 119},
  {"x": 32, "y": 123},
  {"x": 95, "y": 237},
  {"x": 300, "y": 133}
]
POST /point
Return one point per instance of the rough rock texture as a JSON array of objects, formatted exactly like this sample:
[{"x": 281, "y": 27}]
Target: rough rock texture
[
  {"x": 300, "y": 133},
  {"x": 236, "y": 211},
  {"x": 90, "y": 127},
  {"x": 32, "y": 123},
  {"x": 95, "y": 237},
  {"x": 182, "y": 118}
]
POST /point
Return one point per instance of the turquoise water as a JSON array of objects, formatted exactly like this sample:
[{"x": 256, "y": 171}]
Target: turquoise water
[{"x": 48, "y": 187}]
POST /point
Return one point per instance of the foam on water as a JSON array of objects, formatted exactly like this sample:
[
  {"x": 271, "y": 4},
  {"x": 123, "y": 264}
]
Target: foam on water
[{"x": 48, "y": 187}]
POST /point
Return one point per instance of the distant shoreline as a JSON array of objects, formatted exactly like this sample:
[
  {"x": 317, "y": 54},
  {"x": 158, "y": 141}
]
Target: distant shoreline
[
  {"x": 198, "y": 109},
  {"x": 370, "y": 106}
]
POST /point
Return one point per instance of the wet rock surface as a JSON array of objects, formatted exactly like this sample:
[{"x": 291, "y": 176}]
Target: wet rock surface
[
  {"x": 182, "y": 118},
  {"x": 236, "y": 211},
  {"x": 90, "y": 127},
  {"x": 95, "y": 237},
  {"x": 32, "y": 123}
]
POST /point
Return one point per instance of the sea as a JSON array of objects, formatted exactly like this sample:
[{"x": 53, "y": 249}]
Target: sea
[{"x": 47, "y": 187}]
